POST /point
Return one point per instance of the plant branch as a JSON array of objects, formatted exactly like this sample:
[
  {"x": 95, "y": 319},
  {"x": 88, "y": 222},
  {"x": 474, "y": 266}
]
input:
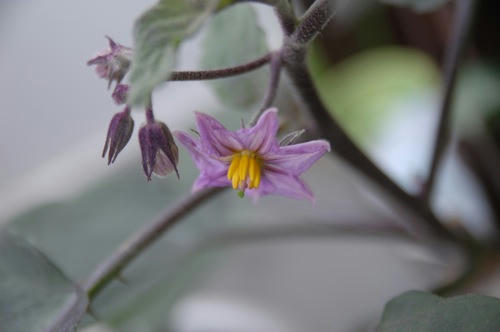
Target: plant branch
[
  {"x": 219, "y": 73},
  {"x": 461, "y": 26},
  {"x": 142, "y": 239},
  {"x": 274, "y": 79},
  {"x": 313, "y": 21}
]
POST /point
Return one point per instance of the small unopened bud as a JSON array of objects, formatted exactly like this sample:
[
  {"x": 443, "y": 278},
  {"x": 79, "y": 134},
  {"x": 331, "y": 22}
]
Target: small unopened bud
[
  {"x": 159, "y": 152},
  {"x": 120, "y": 94},
  {"x": 114, "y": 63},
  {"x": 119, "y": 132}
]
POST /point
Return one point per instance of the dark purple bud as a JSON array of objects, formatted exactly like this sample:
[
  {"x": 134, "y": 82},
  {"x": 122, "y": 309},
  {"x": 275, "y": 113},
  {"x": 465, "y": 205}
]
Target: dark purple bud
[
  {"x": 159, "y": 151},
  {"x": 120, "y": 94},
  {"x": 119, "y": 132},
  {"x": 114, "y": 63}
]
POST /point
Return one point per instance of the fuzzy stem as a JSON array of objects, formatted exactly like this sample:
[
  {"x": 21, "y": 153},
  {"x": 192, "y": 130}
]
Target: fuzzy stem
[
  {"x": 219, "y": 73},
  {"x": 150, "y": 117},
  {"x": 461, "y": 26}
]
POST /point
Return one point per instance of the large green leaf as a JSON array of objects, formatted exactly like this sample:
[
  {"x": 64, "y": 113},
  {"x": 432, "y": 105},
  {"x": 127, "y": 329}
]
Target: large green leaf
[
  {"x": 425, "y": 312},
  {"x": 157, "y": 34},
  {"x": 417, "y": 5},
  {"x": 33, "y": 291},
  {"x": 234, "y": 37}
]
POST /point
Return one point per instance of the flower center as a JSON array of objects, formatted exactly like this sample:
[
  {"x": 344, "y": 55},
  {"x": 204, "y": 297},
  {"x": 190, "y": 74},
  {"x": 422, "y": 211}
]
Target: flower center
[{"x": 244, "y": 170}]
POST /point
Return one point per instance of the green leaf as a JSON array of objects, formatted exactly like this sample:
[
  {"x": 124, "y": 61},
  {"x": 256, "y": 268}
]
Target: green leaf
[
  {"x": 232, "y": 38},
  {"x": 425, "y": 312},
  {"x": 33, "y": 290},
  {"x": 417, "y": 5},
  {"x": 157, "y": 34}
]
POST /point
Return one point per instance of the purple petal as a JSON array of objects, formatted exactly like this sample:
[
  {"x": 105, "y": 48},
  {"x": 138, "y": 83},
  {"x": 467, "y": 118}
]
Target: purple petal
[
  {"x": 296, "y": 159},
  {"x": 278, "y": 183},
  {"x": 262, "y": 136},
  {"x": 203, "y": 162},
  {"x": 206, "y": 180},
  {"x": 215, "y": 138}
]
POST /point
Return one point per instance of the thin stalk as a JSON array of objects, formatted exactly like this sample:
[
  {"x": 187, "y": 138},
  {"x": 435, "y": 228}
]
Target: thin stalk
[
  {"x": 461, "y": 27},
  {"x": 142, "y": 239},
  {"x": 219, "y": 73}
]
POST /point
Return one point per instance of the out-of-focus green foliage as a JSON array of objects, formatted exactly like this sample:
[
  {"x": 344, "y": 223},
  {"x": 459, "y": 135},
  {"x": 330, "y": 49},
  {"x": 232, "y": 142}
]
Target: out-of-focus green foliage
[
  {"x": 33, "y": 290},
  {"x": 361, "y": 90},
  {"x": 157, "y": 34},
  {"x": 243, "y": 41},
  {"x": 416, "y": 311}
]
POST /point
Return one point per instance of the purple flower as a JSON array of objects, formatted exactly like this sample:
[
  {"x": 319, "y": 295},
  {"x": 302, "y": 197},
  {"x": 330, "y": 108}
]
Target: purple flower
[
  {"x": 120, "y": 94},
  {"x": 119, "y": 132},
  {"x": 113, "y": 63},
  {"x": 159, "y": 152},
  {"x": 251, "y": 159}
]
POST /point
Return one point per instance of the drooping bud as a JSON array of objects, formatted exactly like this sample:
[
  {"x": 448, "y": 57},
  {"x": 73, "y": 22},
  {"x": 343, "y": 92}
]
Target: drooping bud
[
  {"x": 120, "y": 94},
  {"x": 112, "y": 64},
  {"x": 119, "y": 132},
  {"x": 159, "y": 151}
]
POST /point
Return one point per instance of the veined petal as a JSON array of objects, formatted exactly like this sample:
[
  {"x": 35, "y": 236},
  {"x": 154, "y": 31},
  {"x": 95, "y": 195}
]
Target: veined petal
[
  {"x": 296, "y": 159},
  {"x": 206, "y": 180},
  {"x": 202, "y": 161},
  {"x": 215, "y": 138},
  {"x": 261, "y": 138},
  {"x": 284, "y": 184}
]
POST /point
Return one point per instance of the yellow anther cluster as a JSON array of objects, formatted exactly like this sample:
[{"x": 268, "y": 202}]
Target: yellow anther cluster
[{"x": 244, "y": 170}]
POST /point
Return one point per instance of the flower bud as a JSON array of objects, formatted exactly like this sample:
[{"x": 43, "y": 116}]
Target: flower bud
[
  {"x": 120, "y": 94},
  {"x": 159, "y": 152},
  {"x": 119, "y": 132},
  {"x": 113, "y": 63}
]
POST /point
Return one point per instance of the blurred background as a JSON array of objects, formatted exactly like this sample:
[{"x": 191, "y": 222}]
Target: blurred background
[{"x": 235, "y": 265}]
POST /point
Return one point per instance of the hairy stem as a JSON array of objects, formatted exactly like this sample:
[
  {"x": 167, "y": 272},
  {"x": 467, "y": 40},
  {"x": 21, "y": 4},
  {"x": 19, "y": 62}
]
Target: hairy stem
[
  {"x": 142, "y": 239},
  {"x": 461, "y": 26},
  {"x": 219, "y": 73}
]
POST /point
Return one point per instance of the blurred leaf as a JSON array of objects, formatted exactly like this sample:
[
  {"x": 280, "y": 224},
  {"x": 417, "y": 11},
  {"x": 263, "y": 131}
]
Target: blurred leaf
[
  {"x": 425, "y": 312},
  {"x": 362, "y": 90},
  {"x": 157, "y": 34},
  {"x": 234, "y": 37},
  {"x": 417, "y": 5},
  {"x": 33, "y": 290}
]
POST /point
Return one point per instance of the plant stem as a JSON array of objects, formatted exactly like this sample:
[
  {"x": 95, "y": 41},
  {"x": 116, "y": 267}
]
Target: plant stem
[
  {"x": 128, "y": 250},
  {"x": 274, "y": 79},
  {"x": 347, "y": 149},
  {"x": 461, "y": 26},
  {"x": 219, "y": 73}
]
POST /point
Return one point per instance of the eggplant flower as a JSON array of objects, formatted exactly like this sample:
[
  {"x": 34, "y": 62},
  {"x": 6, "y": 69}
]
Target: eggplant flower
[
  {"x": 112, "y": 64},
  {"x": 159, "y": 152},
  {"x": 119, "y": 132},
  {"x": 251, "y": 160}
]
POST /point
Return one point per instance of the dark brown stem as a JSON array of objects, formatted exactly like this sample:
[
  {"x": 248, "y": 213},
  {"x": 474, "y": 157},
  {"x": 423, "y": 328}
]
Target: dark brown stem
[
  {"x": 219, "y": 73},
  {"x": 461, "y": 27},
  {"x": 343, "y": 146}
]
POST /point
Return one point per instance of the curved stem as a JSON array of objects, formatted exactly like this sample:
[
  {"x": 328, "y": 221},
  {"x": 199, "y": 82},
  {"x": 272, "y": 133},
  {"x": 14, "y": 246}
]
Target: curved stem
[
  {"x": 461, "y": 26},
  {"x": 274, "y": 79},
  {"x": 219, "y": 73},
  {"x": 142, "y": 239}
]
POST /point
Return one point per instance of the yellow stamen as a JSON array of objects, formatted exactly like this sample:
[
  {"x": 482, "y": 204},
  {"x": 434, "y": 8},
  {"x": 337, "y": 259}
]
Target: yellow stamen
[
  {"x": 233, "y": 167},
  {"x": 244, "y": 170},
  {"x": 235, "y": 180},
  {"x": 256, "y": 179},
  {"x": 245, "y": 159}
]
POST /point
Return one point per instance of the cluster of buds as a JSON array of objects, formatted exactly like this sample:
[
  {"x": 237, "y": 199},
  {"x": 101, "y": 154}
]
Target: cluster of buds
[{"x": 159, "y": 152}]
